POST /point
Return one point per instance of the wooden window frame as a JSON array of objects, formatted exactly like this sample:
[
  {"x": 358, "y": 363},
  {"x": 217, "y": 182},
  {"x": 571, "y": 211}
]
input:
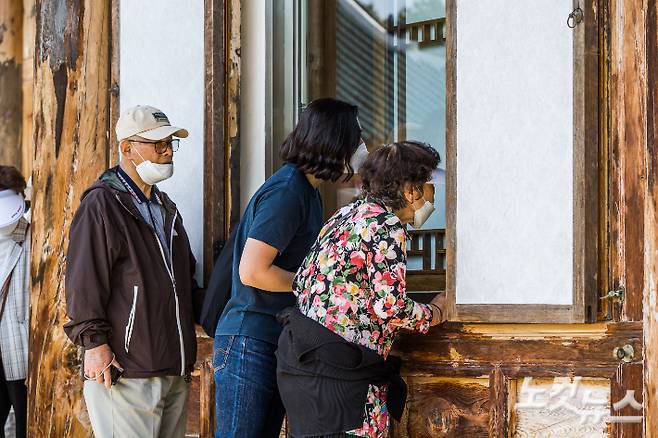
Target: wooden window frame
[
  {"x": 586, "y": 190},
  {"x": 221, "y": 139}
]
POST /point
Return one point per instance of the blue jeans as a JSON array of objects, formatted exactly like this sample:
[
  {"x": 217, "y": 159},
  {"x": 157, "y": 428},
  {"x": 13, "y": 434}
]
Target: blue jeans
[{"x": 247, "y": 397}]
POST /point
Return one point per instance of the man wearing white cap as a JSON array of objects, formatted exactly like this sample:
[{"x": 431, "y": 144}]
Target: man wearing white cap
[
  {"x": 130, "y": 292},
  {"x": 14, "y": 298}
]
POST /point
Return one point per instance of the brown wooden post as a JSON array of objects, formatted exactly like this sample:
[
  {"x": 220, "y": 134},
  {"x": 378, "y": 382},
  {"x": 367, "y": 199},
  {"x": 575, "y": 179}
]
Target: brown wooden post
[
  {"x": 627, "y": 126},
  {"x": 11, "y": 97},
  {"x": 651, "y": 226},
  {"x": 27, "y": 139},
  {"x": 71, "y": 120},
  {"x": 207, "y": 400}
]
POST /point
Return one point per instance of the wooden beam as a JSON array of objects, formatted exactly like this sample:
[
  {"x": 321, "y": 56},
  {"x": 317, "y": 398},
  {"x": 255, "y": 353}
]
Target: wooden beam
[
  {"x": 114, "y": 87},
  {"x": 498, "y": 396},
  {"x": 628, "y": 141},
  {"x": 71, "y": 120},
  {"x": 221, "y": 125},
  {"x": 11, "y": 96},
  {"x": 651, "y": 227},
  {"x": 207, "y": 400},
  {"x": 213, "y": 137},
  {"x": 29, "y": 30},
  {"x": 628, "y": 377},
  {"x": 232, "y": 104},
  {"x": 519, "y": 349}
]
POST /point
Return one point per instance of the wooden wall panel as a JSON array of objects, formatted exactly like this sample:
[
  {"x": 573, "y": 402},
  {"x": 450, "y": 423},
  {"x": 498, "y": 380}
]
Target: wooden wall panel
[
  {"x": 444, "y": 407},
  {"x": 71, "y": 121},
  {"x": 11, "y": 96},
  {"x": 561, "y": 407}
]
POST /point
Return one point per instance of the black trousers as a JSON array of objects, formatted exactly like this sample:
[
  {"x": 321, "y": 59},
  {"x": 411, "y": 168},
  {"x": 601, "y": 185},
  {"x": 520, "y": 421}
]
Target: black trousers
[{"x": 13, "y": 393}]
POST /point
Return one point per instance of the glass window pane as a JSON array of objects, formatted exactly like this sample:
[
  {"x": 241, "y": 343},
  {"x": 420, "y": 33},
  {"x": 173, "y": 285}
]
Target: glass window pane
[{"x": 388, "y": 58}]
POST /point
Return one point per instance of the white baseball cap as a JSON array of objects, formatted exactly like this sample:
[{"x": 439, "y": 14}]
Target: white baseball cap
[
  {"x": 12, "y": 207},
  {"x": 147, "y": 122}
]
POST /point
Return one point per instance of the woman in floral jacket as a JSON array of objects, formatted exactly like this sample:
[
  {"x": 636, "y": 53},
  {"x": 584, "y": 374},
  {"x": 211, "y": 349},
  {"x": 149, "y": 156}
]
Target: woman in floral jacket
[{"x": 353, "y": 280}]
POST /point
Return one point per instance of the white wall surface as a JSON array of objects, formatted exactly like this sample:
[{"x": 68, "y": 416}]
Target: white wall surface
[
  {"x": 514, "y": 152},
  {"x": 162, "y": 64},
  {"x": 252, "y": 115}
]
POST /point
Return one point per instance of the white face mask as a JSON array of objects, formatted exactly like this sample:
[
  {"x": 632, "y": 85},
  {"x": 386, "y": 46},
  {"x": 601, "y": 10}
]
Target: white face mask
[
  {"x": 152, "y": 173},
  {"x": 359, "y": 157},
  {"x": 422, "y": 214}
]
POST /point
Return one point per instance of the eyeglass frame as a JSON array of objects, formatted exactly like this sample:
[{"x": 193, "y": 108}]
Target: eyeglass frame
[{"x": 174, "y": 144}]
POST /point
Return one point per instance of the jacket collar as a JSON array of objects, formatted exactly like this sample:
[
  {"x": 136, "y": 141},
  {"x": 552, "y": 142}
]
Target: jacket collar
[{"x": 110, "y": 179}]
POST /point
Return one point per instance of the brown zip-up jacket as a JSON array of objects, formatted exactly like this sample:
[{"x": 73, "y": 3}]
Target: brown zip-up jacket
[{"x": 121, "y": 287}]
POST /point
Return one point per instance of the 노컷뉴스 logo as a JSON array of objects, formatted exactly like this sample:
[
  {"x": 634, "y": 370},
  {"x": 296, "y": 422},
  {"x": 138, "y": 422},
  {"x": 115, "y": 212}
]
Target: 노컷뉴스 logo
[{"x": 569, "y": 398}]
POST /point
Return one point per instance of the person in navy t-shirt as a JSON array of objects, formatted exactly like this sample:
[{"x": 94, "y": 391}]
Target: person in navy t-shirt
[{"x": 279, "y": 225}]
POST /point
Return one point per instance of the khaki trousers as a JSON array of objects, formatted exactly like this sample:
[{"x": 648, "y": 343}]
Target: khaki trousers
[{"x": 141, "y": 408}]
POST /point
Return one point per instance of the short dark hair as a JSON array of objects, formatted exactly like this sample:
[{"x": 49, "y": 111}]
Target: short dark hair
[
  {"x": 12, "y": 179},
  {"x": 324, "y": 140},
  {"x": 387, "y": 171}
]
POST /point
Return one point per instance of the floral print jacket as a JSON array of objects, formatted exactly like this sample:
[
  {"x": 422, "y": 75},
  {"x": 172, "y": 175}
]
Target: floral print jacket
[{"x": 353, "y": 283}]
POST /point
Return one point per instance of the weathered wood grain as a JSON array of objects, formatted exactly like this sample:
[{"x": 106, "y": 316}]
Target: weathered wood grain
[
  {"x": 445, "y": 407},
  {"x": 651, "y": 227},
  {"x": 114, "y": 85},
  {"x": 214, "y": 203},
  {"x": 498, "y": 396},
  {"x": 457, "y": 349},
  {"x": 29, "y": 31},
  {"x": 11, "y": 95},
  {"x": 232, "y": 104},
  {"x": 628, "y": 377},
  {"x": 573, "y": 407},
  {"x": 207, "y": 397},
  {"x": 70, "y": 131},
  {"x": 221, "y": 125},
  {"x": 628, "y": 140}
]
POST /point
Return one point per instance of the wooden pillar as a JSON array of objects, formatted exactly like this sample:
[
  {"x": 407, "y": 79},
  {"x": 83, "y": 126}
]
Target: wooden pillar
[
  {"x": 11, "y": 40},
  {"x": 632, "y": 99},
  {"x": 627, "y": 143},
  {"x": 29, "y": 29},
  {"x": 71, "y": 122},
  {"x": 651, "y": 226}
]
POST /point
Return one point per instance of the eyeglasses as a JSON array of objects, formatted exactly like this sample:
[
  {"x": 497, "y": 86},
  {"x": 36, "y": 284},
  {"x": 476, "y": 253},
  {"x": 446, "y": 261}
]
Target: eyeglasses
[{"x": 162, "y": 146}]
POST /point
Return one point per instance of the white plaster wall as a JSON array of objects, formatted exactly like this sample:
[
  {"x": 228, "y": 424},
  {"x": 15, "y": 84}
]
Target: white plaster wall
[
  {"x": 514, "y": 152},
  {"x": 252, "y": 115},
  {"x": 162, "y": 64}
]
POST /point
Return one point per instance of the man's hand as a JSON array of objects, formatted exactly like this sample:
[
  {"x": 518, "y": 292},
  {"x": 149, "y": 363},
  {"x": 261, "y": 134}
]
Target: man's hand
[
  {"x": 441, "y": 301},
  {"x": 96, "y": 360}
]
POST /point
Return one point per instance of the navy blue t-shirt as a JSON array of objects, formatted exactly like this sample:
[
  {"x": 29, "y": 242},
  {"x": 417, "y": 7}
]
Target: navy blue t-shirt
[{"x": 285, "y": 213}]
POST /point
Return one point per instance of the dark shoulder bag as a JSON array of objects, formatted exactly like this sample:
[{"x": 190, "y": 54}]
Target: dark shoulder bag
[{"x": 218, "y": 291}]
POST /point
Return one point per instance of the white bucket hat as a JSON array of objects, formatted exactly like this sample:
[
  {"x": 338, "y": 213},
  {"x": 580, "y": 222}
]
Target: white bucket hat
[{"x": 12, "y": 207}]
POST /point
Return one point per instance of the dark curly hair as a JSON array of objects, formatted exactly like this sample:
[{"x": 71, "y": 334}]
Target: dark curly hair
[
  {"x": 12, "y": 179},
  {"x": 387, "y": 171},
  {"x": 324, "y": 140}
]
